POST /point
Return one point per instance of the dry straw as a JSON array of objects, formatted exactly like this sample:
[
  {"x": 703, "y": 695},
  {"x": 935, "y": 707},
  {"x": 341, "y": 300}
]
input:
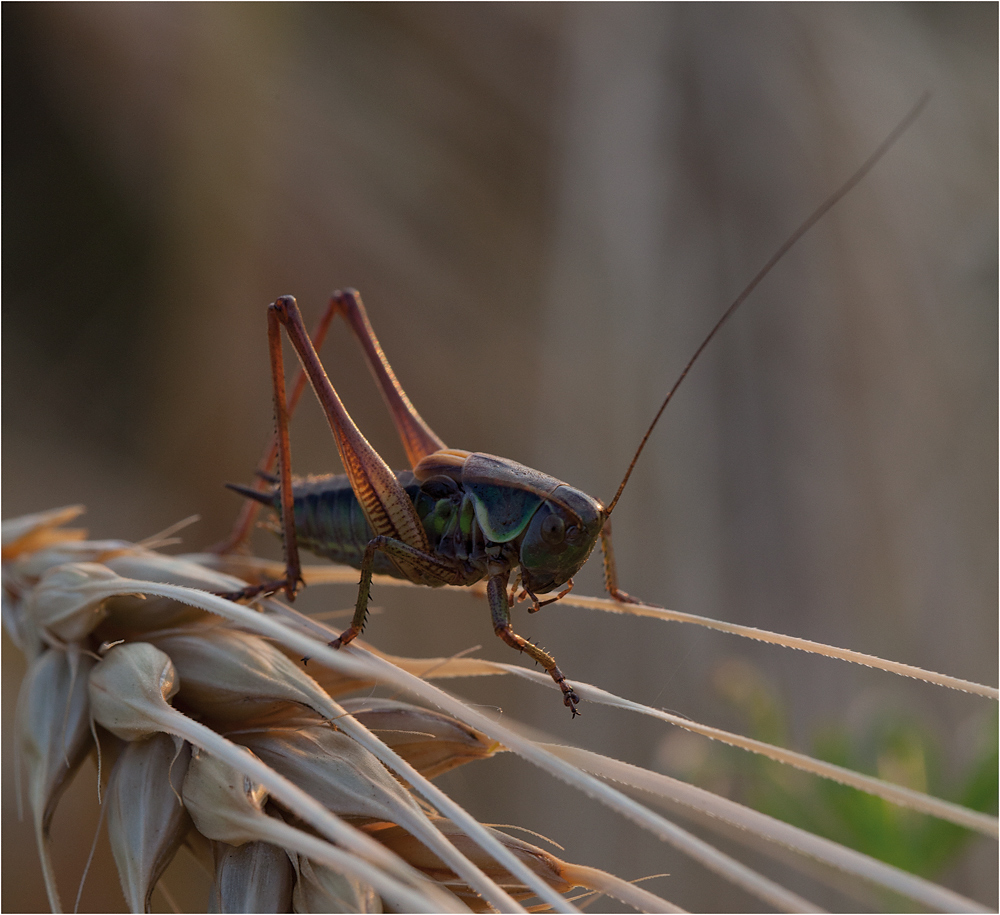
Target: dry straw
[{"x": 210, "y": 735}]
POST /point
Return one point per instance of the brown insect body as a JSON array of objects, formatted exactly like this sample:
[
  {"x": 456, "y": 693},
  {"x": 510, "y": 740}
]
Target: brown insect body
[{"x": 456, "y": 517}]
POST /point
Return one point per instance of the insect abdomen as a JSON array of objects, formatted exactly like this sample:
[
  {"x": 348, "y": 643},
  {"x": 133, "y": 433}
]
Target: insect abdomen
[{"x": 329, "y": 521}]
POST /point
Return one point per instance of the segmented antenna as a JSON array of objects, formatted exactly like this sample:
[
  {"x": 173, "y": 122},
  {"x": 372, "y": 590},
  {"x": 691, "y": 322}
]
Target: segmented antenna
[{"x": 815, "y": 217}]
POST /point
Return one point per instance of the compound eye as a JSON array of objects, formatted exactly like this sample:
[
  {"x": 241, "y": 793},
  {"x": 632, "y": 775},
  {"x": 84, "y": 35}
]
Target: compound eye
[{"x": 553, "y": 530}]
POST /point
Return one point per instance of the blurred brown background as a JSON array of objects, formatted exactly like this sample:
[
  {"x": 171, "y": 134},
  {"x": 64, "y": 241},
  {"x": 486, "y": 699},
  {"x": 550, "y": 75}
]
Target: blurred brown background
[{"x": 546, "y": 207}]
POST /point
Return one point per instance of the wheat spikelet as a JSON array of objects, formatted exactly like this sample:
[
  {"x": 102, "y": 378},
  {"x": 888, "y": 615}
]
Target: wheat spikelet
[{"x": 211, "y": 736}]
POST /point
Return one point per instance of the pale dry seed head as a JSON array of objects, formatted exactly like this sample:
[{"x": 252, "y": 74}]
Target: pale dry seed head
[
  {"x": 32, "y": 533},
  {"x": 53, "y": 739},
  {"x": 62, "y": 607},
  {"x": 241, "y": 684},
  {"x": 546, "y": 865},
  {"x": 335, "y": 683},
  {"x": 333, "y": 768},
  {"x": 62, "y": 594},
  {"x": 429, "y": 741},
  {"x": 27, "y": 568},
  {"x": 130, "y": 689},
  {"x": 320, "y": 889},
  {"x": 226, "y": 784},
  {"x": 147, "y": 821},
  {"x": 231, "y": 676},
  {"x": 254, "y": 877},
  {"x": 132, "y": 616},
  {"x": 226, "y": 805},
  {"x": 54, "y": 732}
]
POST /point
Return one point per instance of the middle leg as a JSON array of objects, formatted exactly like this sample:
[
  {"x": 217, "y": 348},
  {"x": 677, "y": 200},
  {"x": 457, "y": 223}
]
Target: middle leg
[
  {"x": 610, "y": 569},
  {"x": 416, "y": 564}
]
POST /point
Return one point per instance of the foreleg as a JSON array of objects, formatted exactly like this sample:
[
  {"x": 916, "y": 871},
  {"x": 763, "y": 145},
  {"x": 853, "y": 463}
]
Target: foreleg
[{"x": 496, "y": 592}]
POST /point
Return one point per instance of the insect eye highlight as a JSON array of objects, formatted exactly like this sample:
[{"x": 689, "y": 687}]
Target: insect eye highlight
[{"x": 553, "y": 530}]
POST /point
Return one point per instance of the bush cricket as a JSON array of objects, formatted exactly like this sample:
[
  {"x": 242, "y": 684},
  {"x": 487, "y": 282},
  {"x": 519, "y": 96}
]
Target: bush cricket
[{"x": 455, "y": 517}]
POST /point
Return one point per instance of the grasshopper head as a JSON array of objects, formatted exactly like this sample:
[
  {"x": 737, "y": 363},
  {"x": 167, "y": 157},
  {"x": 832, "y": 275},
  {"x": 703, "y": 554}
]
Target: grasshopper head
[{"x": 559, "y": 538}]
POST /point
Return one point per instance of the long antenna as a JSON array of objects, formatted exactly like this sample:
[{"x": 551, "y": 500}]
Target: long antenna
[{"x": 815, "y": 217}]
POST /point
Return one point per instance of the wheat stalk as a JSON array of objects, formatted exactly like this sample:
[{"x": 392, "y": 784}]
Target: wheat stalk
[{"x": 210, "y": 736}]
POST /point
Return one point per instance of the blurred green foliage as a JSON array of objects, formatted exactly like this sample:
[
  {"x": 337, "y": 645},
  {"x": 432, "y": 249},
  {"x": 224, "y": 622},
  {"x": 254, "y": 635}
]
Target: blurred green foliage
[{"x": 891, "y": 746}]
